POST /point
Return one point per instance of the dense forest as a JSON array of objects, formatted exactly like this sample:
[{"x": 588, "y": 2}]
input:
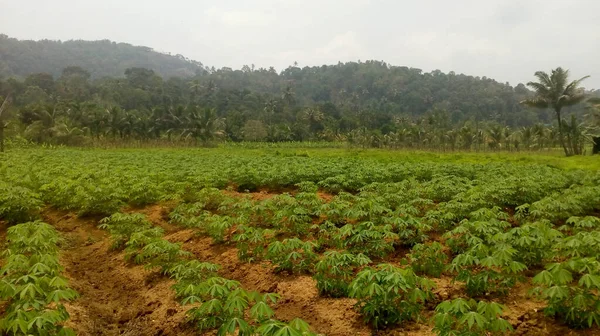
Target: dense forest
[
  {"x": 371, "y": 103},
  {"x": 100, "y": 58}
]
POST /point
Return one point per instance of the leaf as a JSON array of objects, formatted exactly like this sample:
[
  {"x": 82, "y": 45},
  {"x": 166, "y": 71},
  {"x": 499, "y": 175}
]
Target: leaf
[{"x": 473, "y": 318}]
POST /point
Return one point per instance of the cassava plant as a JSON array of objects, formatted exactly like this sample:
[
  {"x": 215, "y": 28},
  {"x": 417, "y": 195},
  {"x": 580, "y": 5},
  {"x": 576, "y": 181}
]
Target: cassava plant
[
  {"x": 388, "y": 295},
  {"x": 292, "y": 255},
  {"x": 488, "y": 269},
  {"x": 122, "y": 226},
  {"x": 429, "y": 259},
  {"x": 252, "y": 242},
  {"x": 336, "y": 270},
  {"x": 19, "y": 204},
  {"x": 571, "y": 289},
  {"x": 31, "y": 283},
  {"x": 462, "y": 317}
]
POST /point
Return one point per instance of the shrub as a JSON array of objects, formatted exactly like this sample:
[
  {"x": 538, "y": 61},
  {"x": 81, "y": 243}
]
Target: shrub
[
  {"x": 122, "y": 226},
  {"x": 292, "y": 255},
  {"x": 251, "y": 242},
  {"x": 428, "y": 259},
  {"x": 462, "y": 317},
  {"x": 18, "y": 204},
  {"x": 388, "y": 295},
  {"x": 571, "y": 289},
  {"x": 335, "y": 271}
]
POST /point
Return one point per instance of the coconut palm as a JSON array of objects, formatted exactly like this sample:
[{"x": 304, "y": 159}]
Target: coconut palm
[
  {"x": 203, "y": 125},
  {"x": 554, "y": 91},
  {"x": 3, "y": 124},
  {"x": 593, "y": 121}
]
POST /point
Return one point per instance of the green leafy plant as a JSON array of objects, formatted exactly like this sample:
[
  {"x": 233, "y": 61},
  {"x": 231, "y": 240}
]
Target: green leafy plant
[
  {"x": 534, "y": 242},
  {"x": 31, "y": 283},
  {"x": 251, "y": 242},
  {"x": 122, "y": 226},
  {"x": 488, "y": 269},
  {"x": 143, "y": 192},
  {"x": 218, "y": 227},
  {"x": 376, "y": 241},
  {"x": 292, "y": 255},
  {"x": 18, "y": 204},
  {"x": 159, "y": 253},
  {"x": 388, "y": 295},
  {"x": 462, "y": 317},
  {"x": 429, "y": 259},
  {"x": 98, "y": 198},
  {"x": 296, "y": 327},
  {"x": 336, "y": 270},
  {"x": 225, "y": 305},
  {"x": 571, "y": 289}
]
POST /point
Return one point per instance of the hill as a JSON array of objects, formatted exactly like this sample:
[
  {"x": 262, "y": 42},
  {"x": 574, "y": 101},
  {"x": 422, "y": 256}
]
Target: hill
[{"x": 19, "y": 58}]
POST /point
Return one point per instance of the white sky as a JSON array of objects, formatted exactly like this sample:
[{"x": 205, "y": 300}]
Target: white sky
[{"x": 507, "y": 40}]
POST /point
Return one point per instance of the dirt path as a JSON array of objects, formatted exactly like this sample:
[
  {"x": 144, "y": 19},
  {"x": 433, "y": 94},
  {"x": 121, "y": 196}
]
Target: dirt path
[{"x": 115, "y": 298}]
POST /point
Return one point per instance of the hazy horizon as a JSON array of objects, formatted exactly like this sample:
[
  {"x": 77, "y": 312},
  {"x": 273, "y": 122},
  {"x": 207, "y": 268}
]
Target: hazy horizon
[{"x": 504, "y": 40}]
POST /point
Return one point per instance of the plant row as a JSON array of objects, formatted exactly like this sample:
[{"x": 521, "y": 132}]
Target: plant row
[
  {"x": 216, "y": 302},
  {"x": 31, "y": 282},
  {"x": 488, "y": 254}
]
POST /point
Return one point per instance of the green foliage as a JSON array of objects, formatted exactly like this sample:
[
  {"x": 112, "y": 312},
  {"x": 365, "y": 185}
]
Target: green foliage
[
  {"x": 31, "y": 282},
  {"x": 144, "y": 192},
  {"x": 122, "y": 226},
  {"x": 388, "y": 295},
  {"x": 581, "y": 244},
  {"x": 251, "y": 242},
  {"x": 98, "y": 198},
  {"x": 18, "y": 204},
  {"x": 488, "y": 269},
  {"x": 296, "y": 327},
  {"x": 292, "y": 255},
  {"x": 335, "y": 271},
  {"x": 225, "y": 305},
  {"x": 218, "y": 227},
  {"x": 534, "y": 242},
  {"x": 483, "y": 226},
  {"x": 429, "y": 259},
  {"x": 159, "y": 253},
  {"x": 101, "y": 58},
  {"x": 376, "y": 241},
  {"x": 575, "y": 201},
  {"x": 571, "y": 289},
  {"x": 462, "y": 317},
  {"x": 577, "y": 223}
]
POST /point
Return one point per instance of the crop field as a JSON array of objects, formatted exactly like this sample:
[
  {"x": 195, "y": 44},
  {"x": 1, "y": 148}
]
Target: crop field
[{"x": 286, "y": 242}]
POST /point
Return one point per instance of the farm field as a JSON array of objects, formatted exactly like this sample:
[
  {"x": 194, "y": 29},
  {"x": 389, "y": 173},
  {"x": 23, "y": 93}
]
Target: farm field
[{"x": 297, "y": 241}]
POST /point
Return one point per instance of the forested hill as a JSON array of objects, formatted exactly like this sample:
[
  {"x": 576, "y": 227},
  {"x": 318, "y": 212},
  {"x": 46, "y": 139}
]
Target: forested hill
[
  {"x": 298, "y": 102},
  {"x": 19, "y": 58}
]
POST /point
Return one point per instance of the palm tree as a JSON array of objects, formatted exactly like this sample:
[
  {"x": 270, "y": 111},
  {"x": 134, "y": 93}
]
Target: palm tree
[
  {"x": 314, "y": 117},
  {"x": 3, "y": 123},
  {"x": 195, "y": 87},
  {"x": 495, "y": 136},
  {"x": 554, "y": 91},
  {"x": 593, "y": 121},
  {"x": 203, "y": 125}
]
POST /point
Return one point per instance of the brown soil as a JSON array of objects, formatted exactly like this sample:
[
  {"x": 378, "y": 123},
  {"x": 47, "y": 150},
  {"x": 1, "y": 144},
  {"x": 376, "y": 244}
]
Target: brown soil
[{"x": 117, "y": 298}]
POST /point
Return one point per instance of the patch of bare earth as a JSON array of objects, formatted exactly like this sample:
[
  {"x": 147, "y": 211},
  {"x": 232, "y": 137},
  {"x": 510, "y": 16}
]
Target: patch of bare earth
[{"x": 116, "y": 298}]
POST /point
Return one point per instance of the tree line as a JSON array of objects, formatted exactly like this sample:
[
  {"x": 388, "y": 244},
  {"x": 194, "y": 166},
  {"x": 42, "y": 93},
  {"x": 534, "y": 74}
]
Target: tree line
[{"x": 363, "y": 103}]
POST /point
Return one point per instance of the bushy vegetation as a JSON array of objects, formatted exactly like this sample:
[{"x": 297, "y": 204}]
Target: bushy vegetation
[
  {"x": 98, "y": 93},
  {"x": 32, "y": 284},
  {"x": 369, "y": 228}
]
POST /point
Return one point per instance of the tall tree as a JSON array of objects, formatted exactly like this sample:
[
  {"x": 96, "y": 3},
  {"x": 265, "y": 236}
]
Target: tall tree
[
  {"x": 554, "y": 91},
  {"x": 3, "y": 123}
]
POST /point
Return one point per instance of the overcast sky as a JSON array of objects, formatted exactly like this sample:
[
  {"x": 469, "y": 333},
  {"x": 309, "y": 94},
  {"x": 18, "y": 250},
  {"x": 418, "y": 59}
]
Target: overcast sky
[{"x": 503, "y": 39}]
